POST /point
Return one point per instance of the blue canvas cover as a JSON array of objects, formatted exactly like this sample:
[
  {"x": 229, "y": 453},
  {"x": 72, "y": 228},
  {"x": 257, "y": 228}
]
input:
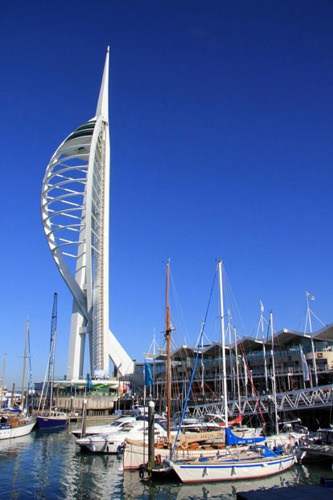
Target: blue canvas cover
[{"x": 231, "y": 439}]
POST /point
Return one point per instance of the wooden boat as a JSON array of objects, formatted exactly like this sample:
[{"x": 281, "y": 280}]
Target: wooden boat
[
  {"x": 136, "y": 452},
  {"x": 13, "y": 425}
]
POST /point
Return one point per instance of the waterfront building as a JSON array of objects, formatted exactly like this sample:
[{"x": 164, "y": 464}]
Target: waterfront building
[{"x": 297, "y": 358}]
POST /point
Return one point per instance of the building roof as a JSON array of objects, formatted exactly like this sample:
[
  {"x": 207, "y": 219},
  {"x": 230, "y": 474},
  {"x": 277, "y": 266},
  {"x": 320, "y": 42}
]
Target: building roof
[
  {"x": 250, "y": 343},
  {"x": 325, "y": 333},
  {"x": 286, "y": 336}
]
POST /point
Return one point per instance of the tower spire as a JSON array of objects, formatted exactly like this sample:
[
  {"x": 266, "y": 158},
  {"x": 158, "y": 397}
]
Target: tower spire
[
  {"x": 77, "y": 231},
  {"x": 103, "y": 99}
]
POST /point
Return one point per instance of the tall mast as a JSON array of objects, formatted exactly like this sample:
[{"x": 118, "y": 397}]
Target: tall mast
[
  {"x": 237, "y": 368},
  {"x": 224, "y": 366},
  {"x": 52, "y": 347},
  {"x": 3, "y": 378},
  {"x": 308, "y": 319},
  {"x": 167, "y": 336},
  {"x": 274, "y": 375},
  {"x": 24, "y": 361},
  {"x": 263, "y": 343}
]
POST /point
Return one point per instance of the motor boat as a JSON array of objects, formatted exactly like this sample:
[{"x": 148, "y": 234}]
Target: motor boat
[
  {"x": 115, "y": 426},
  {"x": 113, "y": 442}
]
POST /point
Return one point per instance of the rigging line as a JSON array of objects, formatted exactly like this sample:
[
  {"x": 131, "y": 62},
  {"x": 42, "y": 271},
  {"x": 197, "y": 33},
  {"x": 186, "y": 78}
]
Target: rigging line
[
  {"x": 194, "y": 367},
  {"x": 232, "y": 299},
  {"x": 251, "y": 382},
  {"x": 301, "y": 320},
  {"x": 179, "y": 309}
]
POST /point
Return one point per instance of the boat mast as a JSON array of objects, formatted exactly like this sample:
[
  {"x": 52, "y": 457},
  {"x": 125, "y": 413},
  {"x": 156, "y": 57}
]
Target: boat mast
[
  {"x": 237, "y": 368},
  {"x": 168, "y": 339},
  {"x": 261, "y": 323},
  {"x": 273, "y": 375},
  {"x": 52, "y": 348},
  {"x": 24, "y": 361},
  {"x": 3, "y": 379},
  {"x": 224, "y": 369},
  {"x": 308, "y": 319}
]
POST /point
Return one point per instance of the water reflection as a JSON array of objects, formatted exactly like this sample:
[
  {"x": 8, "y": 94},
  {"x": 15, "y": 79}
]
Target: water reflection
[
  {"x": 225, "y": 490},
  {"x": 49, "y": 465}
]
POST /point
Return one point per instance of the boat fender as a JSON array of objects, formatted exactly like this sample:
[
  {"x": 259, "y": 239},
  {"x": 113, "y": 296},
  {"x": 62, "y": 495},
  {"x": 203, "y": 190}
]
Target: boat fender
[
  {"x": 158, "y": 460},
  {"x": 184, "y": 445},
  {"x": 142, "y": 470}
]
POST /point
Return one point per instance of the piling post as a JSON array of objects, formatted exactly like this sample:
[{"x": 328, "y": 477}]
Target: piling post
[
  {"x": 84, "y": 415},
  {"x": 151, "y": 438}
]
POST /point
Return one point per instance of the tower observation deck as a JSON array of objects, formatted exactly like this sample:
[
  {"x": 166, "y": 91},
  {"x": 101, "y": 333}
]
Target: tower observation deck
[{"x": 75, "y": 217}]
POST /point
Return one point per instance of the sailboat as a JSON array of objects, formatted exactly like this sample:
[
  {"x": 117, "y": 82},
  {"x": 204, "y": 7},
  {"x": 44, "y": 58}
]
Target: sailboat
[
  {"x": 189, "y": 445},
  {"x": 253, "y": 463},
  {"x": 15, "y": 424},
  {"x": 47, "y": 417}
]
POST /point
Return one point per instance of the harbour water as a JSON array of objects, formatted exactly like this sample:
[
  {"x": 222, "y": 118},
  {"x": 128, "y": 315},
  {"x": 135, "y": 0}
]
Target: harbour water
[{"x": 49, "y": 465}]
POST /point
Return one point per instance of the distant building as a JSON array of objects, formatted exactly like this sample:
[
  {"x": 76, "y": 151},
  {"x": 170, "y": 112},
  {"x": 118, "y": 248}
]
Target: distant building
[{"x": 301, "y": 360}]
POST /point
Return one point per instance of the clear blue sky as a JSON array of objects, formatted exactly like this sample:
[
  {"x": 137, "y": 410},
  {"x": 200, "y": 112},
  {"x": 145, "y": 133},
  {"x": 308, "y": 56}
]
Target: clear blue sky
[{"x": 221, "y": 147}]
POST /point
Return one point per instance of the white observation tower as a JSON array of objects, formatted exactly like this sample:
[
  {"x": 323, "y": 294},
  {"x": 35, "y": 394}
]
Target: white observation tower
[{"x": 75, "y": 216}]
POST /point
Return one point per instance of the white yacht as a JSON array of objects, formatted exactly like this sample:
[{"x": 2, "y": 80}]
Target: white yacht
[
  {"x": 115, "y": 426},
  {"x": 113, "y": 442}
]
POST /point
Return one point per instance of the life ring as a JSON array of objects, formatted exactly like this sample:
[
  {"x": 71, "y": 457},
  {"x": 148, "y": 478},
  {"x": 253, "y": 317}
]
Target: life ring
[
  {"x": 184, "y": 445},
  {"x": 158, "y": 460}
]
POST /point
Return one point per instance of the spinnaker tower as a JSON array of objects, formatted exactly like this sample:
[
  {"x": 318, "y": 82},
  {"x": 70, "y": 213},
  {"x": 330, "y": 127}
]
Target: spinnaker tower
[{"x": 75, "y": 215}]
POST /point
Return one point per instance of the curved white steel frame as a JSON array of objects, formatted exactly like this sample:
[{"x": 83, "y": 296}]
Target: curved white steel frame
[{"x": 75, "y": 215}]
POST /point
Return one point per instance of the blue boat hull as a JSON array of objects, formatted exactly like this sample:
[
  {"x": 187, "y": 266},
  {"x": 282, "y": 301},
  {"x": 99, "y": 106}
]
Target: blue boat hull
[{"x": 51, "y": 422}]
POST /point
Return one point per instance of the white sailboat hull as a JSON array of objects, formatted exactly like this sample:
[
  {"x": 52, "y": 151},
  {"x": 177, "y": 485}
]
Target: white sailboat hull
[
  {"x": 231, "y": 471},
  {"x": 15, "y": 432}
]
